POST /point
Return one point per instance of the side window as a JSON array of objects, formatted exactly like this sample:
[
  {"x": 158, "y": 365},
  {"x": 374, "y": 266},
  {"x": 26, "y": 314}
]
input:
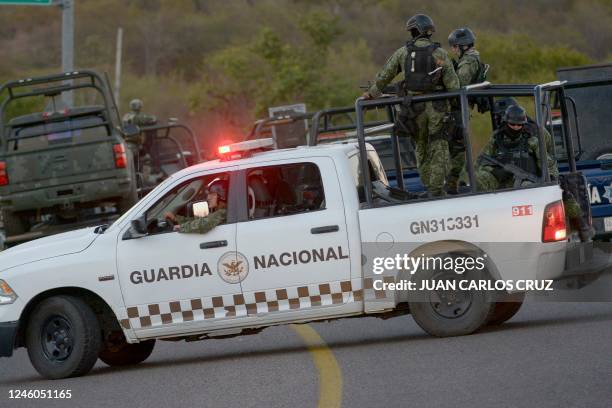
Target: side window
[
  {"x": 286, "y": 189},
  {"x": 189, "y": 199}
]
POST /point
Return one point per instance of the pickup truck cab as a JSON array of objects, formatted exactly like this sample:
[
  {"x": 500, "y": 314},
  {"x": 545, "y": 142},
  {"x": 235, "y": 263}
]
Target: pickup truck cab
[{"x": 306, "y": 229}]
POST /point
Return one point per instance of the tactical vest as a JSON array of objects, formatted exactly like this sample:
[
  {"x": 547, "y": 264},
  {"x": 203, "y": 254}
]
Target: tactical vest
[
  {"x": 419, "y": 67},
  {"x": 516, "y": 152}
]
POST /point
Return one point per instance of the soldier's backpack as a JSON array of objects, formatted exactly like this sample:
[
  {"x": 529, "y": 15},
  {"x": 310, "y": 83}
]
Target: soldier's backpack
[
  {"x": 422, "y": 74},
  {"x": 481, "y": 74}
]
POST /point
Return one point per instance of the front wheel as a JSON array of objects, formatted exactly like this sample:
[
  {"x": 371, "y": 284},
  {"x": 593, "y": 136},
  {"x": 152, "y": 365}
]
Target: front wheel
[
  {"x": 63, "y": 337},
  {"x": 446, "y": 312},
  {"x": 118, "y": 352}
]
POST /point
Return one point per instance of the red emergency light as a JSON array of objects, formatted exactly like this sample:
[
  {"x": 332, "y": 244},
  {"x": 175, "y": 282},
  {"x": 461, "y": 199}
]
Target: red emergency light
[{"x": 244, "y": 149}]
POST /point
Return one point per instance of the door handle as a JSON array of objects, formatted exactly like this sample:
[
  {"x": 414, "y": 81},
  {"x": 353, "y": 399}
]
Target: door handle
[
  {"x": 325, "y": 229},
  {"x": 213, "y": 244}
]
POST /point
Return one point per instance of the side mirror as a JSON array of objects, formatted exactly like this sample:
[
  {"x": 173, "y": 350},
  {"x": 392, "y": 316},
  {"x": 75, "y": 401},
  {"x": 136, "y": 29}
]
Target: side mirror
[
  {"x": 138, "y": 228},
  {"x": 139, "y": 225}
]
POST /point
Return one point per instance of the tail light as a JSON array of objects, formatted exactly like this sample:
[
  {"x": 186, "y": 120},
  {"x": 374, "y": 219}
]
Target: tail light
[
  {"x": 120, "y": 156},
  {"x": 3, "y": 176},
  {"x": 553, "y": 225}
]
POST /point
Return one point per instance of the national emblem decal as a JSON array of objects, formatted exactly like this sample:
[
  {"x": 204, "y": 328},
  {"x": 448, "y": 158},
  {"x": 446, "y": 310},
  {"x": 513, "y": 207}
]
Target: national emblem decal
[{"x": 233, "y": 267}]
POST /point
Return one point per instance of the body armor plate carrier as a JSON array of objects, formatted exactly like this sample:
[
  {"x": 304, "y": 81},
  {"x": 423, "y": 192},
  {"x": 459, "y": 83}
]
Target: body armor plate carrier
[
  {"x": 422, "y": 73},
  {"x": 517, "y": 152}
]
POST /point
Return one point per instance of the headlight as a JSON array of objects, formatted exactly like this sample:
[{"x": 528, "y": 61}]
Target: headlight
[{"x": 7, "y": 295}]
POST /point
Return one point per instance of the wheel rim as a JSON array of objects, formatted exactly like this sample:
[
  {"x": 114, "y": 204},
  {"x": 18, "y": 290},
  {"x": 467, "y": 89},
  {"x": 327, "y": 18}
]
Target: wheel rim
[
  {"x": 450, "y": 304},
  {"x": 57, "y": 339}
]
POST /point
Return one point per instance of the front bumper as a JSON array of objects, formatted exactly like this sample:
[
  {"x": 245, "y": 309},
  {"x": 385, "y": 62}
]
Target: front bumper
[{"x": 8, "y": 334}]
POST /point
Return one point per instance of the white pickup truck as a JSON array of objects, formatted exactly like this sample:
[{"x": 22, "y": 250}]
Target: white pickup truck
[{"x": 297, "y": 246}]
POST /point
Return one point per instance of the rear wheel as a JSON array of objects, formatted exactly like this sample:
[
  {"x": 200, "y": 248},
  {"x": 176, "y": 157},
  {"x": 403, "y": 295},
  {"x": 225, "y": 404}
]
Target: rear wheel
[
  {"x": 118, "y": 352},
  {"x": 63, "y": 337},
  {"x": 445, "y": 313},
  {"x": 504, "y": 311}
]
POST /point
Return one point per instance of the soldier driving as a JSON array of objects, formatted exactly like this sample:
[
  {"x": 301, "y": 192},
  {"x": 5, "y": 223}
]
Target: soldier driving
[
  {"x": 426, "y": 68},
  {"x": 512, "y": 156},
  {"x": 217, "y": 203}
]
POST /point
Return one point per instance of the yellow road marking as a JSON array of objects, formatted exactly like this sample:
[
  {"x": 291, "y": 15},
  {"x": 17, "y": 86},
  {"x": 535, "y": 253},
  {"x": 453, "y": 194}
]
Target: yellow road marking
[{"x": 330, "y": 375}]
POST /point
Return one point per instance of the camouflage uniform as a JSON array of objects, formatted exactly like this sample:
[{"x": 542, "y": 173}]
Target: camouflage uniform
[
  {"x": 431, "y": 149},
  {"x": 485, "y": 178},
  {"x": 201, "y": 225},
  {"x": 139, "y": 119},
  {"x": 467, "y": 69},
  {"x": 143, "y": 162}
]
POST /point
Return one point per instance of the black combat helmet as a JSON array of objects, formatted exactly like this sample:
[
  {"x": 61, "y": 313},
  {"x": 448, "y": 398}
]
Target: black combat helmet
[
  {"x": 462, "y": 37},
  {"x": 515, "y": 115},
  {"x": 501, "y": 104},
  {"x": 220, "y": 188},
  {"x": 421, "y": 25}
]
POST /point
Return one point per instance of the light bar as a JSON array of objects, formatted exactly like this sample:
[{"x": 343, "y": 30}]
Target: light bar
[{"x": 247, "y": 145}]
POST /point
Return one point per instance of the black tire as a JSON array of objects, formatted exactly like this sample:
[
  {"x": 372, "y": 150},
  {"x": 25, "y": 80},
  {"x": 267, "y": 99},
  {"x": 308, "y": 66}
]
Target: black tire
[
  {"x": 118, "y": 352},
  {"x": 445, "y": 318},
  {"x": 63, "y": 337},
  {"x": 596, "y": 153},
  {"x": 504, "y": 311},
  {"x": 13, "y": 224}
]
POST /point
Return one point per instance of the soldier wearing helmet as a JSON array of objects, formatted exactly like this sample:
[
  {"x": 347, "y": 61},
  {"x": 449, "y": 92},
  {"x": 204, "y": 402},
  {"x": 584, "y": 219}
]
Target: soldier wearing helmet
[
  {"x": 470, "y": 70},
  {"x": 136, "y": 117},
  {"x": 426, "y": 68},
  {"x": 216, "y": 198},
  {"x": 468, "y": 66},
  {"x": 514, "y": 142},
  {"x": 137, "y": 142},
  {"x": 499, "y": 109}
]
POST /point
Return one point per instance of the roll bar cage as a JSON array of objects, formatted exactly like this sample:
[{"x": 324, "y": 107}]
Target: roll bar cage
[
  {"x": 92, "y": 80},
  {"x": 478, "y": 90}
]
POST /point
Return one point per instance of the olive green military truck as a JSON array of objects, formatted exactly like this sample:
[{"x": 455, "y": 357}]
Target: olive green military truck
[{"x": 64, "y": 162}]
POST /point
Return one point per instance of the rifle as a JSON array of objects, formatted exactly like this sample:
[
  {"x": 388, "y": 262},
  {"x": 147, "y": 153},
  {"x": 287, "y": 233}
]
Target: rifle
[{"x": 519, "y": 174}]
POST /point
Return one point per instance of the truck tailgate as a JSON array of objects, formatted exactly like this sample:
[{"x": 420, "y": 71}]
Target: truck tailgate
[{"x": 63, "y": 161}]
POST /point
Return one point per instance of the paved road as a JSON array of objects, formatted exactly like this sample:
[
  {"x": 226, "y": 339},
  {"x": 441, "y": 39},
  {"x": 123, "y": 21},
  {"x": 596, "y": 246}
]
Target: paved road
[{"x": 548, "y": 355}]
